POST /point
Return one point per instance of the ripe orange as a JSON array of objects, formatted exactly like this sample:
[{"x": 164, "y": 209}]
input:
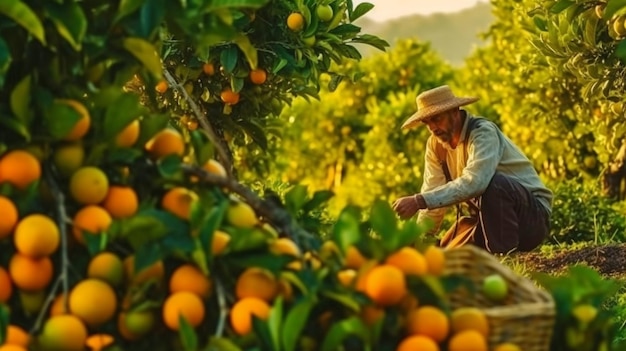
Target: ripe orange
[
  {"x": 166, "y": 142},
  {"x": 242, "y": 312},
  {"x": 10, "y": 347},
  {"x": 93, "y": 301},
  {"x": 295, "y": 21},
  {"x": 65, "y": 332},
  {"x": 129, "y": 135},
  {"x": 98, "y": 342},
  {"x": 161, "y": 87},
  {"x": 36, "y": 235},
  {"x": 81, "y": 127},
  {"x": 258, "y": 76},
  {"x": 10, "y": 216},
  {"x": 220, "y": 241},
  {"x": 155, "y": 271},
  {"x": 229, "y": 97},
  {"x": 17, "y": 336},
  {"x": 429, "y": 321},
  {"x": 468, "y": 340},
  {"x": 208, "y": 68},
  {"x": 507, "y": 346},
  {"x": 6, "y": 287},
  {"x": 19, "y": 168},
  {"x": 285, "y": 246},
  {"x": 57, "y": 307},
  {"x": 257, "y": 282},
  {"x": 435, "y": 260},
  {"x": 185, "y": 304},
  {"x": 107, "y": 267},
  {"x": 409, "y": 261},
  {"x": 385, "y": 285},
  {"x": 189, "y": 278},
  {"x": 418, "y": 342},
  {"x": 214, "y": 167},
  {"x": 93, "y": 219},
  {"x": 469, "y": 318},
  {"x": 347, "y": 277},
  {"x": 354, "y": 258},
  {"x": 121, "y": 201},
  {"x": 178, "y": 201},
  {"x": 89, "y": 185},
  {"x": 30, "y": 274}
]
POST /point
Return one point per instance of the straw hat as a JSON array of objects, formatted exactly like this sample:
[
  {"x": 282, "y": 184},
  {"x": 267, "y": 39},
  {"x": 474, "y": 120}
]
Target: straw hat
[{"x": 435, "y": 101}]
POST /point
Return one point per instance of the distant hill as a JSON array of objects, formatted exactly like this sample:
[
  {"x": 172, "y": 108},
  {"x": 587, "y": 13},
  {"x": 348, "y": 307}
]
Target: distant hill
[{"x": 452, "y": 35}]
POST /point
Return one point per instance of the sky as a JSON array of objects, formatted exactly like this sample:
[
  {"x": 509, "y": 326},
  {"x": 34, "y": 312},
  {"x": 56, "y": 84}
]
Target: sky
[{"x": 388, "y": 9}]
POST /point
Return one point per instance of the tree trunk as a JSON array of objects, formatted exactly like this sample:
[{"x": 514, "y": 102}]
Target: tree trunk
[{"x": 614, "y": 176}]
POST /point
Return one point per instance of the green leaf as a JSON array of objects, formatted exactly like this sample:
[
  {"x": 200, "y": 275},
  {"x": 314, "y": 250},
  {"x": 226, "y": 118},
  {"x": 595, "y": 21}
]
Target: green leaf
[
  {"x": 295, "y": 321},
  {"x": 221, "y": 344},
  {"x": 150, "y": 125},
  {"x": 280, "y": 64},
  {"x": 60, "y": 119},
  {"x": 371, "y": 40},
  {"x": 248, "y": 49},
  {"x": 24, "y": 16},
  {"x": 212, "y": 222},
  {"x": 147, "y": 255},
  {"x": 5, "y": 61},
  {"x": 19, "y": 127},
  {"x": 561, "y": 6},
  {"x": 341, "y": 330},
  {"x": 295, "y": 198},
  {"x": 226, "y": 4},
  {"x": 361, "y": 10},
  {"x": 146, "y": 53},
  {"x": 151, "y": 16},
  {"x": 187, "y": 334},
  {"x": 346, "y": 230},
  {"x": 69, "y": 20},
  {"x": 319, "y": 197},
  {"x": 141, "y": 229},
  {"x": 383, "y": 220},
  {"x": 612, "y": 7},
  {"x": 21, "y": 100},
  {"x": 5, "y": 320},
  {"x": 620, "y": 51},
  {"x": 228, "y": 59},
  {"x": 343, "y": 298},
  {"x": 170, "y": 166},
  {"x": 275, "y": 322},
  {"x": 125, "y": 109},
  {"x": 255, "y": 132},
  {"x": 346, "y": 30},
  {"x": 127, "y": 7}
]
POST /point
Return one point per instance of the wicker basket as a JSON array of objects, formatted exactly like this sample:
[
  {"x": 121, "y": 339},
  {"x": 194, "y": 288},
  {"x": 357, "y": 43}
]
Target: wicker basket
[{"x": 526, "y": 317}]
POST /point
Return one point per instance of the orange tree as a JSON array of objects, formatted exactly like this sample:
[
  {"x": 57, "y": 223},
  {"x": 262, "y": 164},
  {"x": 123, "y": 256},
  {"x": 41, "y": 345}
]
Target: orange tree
[{"x": 350, "y": 140}]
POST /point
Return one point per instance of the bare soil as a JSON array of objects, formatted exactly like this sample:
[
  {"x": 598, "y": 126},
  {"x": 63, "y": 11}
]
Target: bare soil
[{"x": 608, "y": 260}]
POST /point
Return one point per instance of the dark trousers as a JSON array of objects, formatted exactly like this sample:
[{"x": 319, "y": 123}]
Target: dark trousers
[{"x": 511, "y": 218}]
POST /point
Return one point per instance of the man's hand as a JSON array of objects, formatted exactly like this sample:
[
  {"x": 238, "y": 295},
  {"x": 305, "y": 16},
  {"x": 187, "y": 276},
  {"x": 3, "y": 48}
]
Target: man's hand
[{"x": 408, "y": 206}]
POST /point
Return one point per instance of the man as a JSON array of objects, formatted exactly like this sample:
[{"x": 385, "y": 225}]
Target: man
[{"x": 512, "y": 205}]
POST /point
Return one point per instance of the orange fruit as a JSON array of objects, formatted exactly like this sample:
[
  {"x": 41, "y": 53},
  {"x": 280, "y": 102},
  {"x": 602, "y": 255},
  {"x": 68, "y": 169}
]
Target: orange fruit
[
  {"x": 161, "y": 86},
  {"x": 30, "y": 274},
  {"x": 417, "y": 342},
  {"x": 10, "y": 216},
  {"x": 93, "y": 301},
  {"x": 6, "y": 287},
  {"x": 220, "y": 241},
  {"x": 67, "y": 158},
  {"x": 285, "y": 246},
  {"x": 190, "y": 278},
  {"x": 121, "y": 201},
  {"x": 36, "y": 235},
  {"x": 166, "y": 142},
  {"x": 295, "y": 21},
  {"x": 354, "y": 258},
  {"x": 372, "y": 314},
  {"x": 242, "y": 312},
  {"x": 19, "y": 168},
  {"x": 241, "y": 215},
  {"x": 17, "y": 336},
  {"x": 81, "y": 127},
  {"x": 89, "y": 185},
  {"x": 155, "y": 271},
  {"x": 132, "y": 325},
  {"x": 65, "y": 332},
  {"x": 229, "y": 97},
  {"x": 469, "y": 318},
  {"x": 185, "y": 304},
  {"x": 408, "y": 260},
  {"x": 208, "y": 68},
  {"x": 92, "y": 219},
  {"x": 10, "y": 347},
  {"x": 258, "y": 76},
  {"x": 128, "y": 136},
  {"x": 507, "y": 346},
  {"x": 257, "y": 282},
  {"x": 468, "y": 340},
  {"x": 98, "y": 342},
  {"x": 385, "y": 285},
  {"x": 57, "y": 307},
  {"x": 347, "y": 277},
  {"x": 178, "y": 201},
  {"x": 429, "y": 321},
  {"x": 214, "y": 167},
  {"x": 107, "y": 267},
  {"x": 435, "y": 260}
]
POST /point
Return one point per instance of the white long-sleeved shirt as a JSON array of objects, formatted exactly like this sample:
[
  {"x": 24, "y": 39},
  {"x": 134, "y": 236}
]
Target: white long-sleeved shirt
[{"x": 488, "y": 151}]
